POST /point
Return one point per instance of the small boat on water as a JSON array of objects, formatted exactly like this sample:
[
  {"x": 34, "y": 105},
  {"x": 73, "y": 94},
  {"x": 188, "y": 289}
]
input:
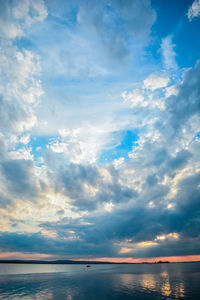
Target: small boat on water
[{"x": 88, "y": 266}]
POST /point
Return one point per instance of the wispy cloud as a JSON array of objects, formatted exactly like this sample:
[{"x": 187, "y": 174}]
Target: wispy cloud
[{"x": 168, "y": 53}]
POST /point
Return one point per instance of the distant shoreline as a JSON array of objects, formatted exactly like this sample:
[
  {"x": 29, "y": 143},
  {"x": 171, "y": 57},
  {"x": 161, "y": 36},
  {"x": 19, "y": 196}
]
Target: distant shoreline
[{"x": 69, "y": 262}]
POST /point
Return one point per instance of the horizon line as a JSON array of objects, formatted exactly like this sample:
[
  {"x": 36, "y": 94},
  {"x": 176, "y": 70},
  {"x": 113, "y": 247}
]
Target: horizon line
[{"x": 45, "y": 257}]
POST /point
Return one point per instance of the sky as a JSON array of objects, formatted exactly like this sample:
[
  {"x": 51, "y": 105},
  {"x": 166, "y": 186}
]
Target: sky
[{"x": 100, "y": 129}]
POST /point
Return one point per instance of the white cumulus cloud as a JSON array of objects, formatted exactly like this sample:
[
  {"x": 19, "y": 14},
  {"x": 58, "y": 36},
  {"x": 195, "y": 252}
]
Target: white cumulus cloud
[
  {"x": 194, "y": 10},
  {"x": 155, "y": 81}
]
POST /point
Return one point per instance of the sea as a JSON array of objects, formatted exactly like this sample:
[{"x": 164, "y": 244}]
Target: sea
[{"x": 100, "y": 281}]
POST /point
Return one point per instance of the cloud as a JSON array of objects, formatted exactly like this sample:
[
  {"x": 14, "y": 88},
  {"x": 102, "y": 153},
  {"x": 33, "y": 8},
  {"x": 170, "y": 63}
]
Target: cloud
[
  {"x": 194, "y": 10},
  {"x": 92, "y": 39},
  {"x": 25, "y": 11},
  {"x": 21, "y": 93},
  {"x": 18, "y": 178},
  {"x": 5, "y": 201},
  {"x": 136, "y": 98},
  {"x": 168, "y": 53},
  {"x": 157, "y": 170},
  {"x": 137, "y": 14},
  {"x": 80, "y": 145},
  {"x": 31, "y": 11},
  {"x": 185, "y": 104},
  {"x": 100, "y": 234},
  {"x": 102, "y": 21},
  {"x": 9, "y": 28},
  {"x": 111, "y": 231},
  {"x": 15, "y": 118},
  {"x": 180, "y": 160},
  {"x": 86, "y": 189},
  {"x": 78, "y": 182},
  {"x": 57, "y": 197},
  {"x": 155, "y": 81}
]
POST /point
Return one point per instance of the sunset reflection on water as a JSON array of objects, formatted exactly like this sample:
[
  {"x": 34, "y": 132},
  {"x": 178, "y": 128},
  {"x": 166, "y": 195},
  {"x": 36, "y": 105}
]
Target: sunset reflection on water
[
  {"x": 127, "y": 280},
  {"x": 152, "y": 282},
  {"x": 159, "y": 283},
  {"x": 179, "y": 290},
  {"x": 166, "y": 288},
  {"x": 149, "y": 282}
]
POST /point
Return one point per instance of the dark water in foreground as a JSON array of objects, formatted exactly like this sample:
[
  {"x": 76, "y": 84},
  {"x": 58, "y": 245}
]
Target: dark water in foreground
[{"x": 76, "y": 282}]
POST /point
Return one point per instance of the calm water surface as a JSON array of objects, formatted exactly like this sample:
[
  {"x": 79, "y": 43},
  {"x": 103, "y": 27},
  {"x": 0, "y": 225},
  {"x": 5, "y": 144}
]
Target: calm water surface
[{"x": 76, "y": 282}]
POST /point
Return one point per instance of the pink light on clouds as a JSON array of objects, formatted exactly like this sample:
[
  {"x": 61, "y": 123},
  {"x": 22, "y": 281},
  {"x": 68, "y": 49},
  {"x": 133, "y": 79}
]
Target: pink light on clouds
[{"x": 20, "y": 255}]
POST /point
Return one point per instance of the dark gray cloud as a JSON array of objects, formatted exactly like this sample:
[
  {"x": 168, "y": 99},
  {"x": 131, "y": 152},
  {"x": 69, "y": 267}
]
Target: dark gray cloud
[
  {"x": 36, "y": 243},
  {"x": 18, "y": 178},
  {"x": 137, "y": 223},
  {"x": 186, "y": 104},
  {"x": 98, "y": 235},
  {"x": 71, "y": 180}
]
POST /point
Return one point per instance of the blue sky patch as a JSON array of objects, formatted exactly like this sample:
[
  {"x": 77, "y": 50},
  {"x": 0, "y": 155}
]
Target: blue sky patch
[{"x": 127, "y": 140}]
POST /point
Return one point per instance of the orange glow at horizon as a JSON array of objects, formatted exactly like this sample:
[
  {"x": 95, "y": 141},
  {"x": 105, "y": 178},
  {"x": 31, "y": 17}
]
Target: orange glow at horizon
[
  {"x": 41, "y": 256},
  {"x": 185, "y": 258}
]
